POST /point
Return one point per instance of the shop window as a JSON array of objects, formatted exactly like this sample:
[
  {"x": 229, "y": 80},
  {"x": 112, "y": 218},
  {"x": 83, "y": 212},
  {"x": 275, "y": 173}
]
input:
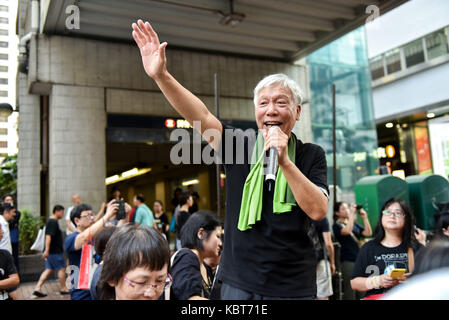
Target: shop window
[
  {"x": 414, "y": 53},
  {"x": 393, "y": 59},
  {"x": 436, "y": 44},
  {"x": 377, "y": 67}
]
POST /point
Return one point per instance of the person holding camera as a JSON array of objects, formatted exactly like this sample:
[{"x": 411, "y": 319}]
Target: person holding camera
[
  {"x": 82, "y": 217},
  {"x": 349, "y": 232}
]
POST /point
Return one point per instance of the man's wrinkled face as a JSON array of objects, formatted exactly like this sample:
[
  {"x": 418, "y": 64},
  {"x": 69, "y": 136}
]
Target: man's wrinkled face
[{"x": 276, "y": 106}]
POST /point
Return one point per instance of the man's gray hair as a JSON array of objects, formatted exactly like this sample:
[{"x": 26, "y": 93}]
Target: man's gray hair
[{"x": 284, "y": 81}]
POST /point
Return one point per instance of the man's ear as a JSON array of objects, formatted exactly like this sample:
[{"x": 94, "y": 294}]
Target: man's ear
[{"x": 298, "y": 113}]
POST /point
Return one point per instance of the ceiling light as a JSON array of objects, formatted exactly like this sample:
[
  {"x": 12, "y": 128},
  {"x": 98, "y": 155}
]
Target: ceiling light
[
  {"x": 431, "y": 115},
  {"x": 232, "y": 19},
  {"x": 126, "y": 175},
  {"x": 187, "y": 183},
  {"x": 389, "y": 125}
]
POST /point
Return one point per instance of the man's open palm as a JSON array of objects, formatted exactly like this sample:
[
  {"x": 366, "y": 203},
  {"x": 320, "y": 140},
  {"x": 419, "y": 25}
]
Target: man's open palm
[{"x": 152, "y": 52}]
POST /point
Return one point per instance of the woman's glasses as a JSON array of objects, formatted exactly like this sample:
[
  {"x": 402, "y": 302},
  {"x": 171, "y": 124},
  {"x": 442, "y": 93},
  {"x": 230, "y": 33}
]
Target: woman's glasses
[
  {"x": 393, "y": 213},
  {"x": 141, "y": 288}
]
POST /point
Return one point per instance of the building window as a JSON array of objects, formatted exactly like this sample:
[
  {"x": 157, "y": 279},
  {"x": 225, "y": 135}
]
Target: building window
[
  {"x": 3, "y": 68},
  {"x": 377, "y": 67},
  {"x": 3, "y": 81},
  {"x": 4, "y": 20},
  {"x": 3, "y": 56},
  {"x": 3, "y": 131},
  {"x": 4, "y": 32},
  {"x": 3, "y": 119},
  {"x": 393, "y": 59},
  {"x": 3, "y": 93},
  {"x": 4, "y": 44},
  {"x": 3, "y": 144},
  {"x": 436, "y": 44},
  {"x": 4, "y": 8},
  {"x": 414, "y": 53}
]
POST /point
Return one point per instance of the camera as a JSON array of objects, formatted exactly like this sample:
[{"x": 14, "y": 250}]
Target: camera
[
  {"x": 359, "y": 206},
  {"x": 121, "y": 214}
]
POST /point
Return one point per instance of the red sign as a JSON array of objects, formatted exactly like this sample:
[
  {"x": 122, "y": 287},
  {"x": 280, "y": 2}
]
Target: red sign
[
  {"x": 170, "y": 123},
  {"x": 423, "y": 150}
]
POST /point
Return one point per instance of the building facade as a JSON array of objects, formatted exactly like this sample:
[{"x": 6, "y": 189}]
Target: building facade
[
  {"x": 409, "y": 67},
  {"x": 8, "y": 68}
]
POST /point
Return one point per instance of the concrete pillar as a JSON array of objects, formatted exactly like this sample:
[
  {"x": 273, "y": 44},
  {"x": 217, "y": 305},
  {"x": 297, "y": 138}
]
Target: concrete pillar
[
  {"x": 28, "y": 161},
  {"x": 204, "y": 190},
  {"x": 77, "y": 145},
  {"x": 160, "y": 191}
]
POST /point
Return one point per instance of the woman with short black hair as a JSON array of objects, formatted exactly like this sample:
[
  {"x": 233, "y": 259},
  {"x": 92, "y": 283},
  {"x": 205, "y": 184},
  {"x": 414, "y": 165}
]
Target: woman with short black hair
[
  {"x": 136, "y": 264},
  {"x": 200, "y": 239}
]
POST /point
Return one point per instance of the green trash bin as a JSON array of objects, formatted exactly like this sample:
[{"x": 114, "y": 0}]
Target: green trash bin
[
  {"x": 373, "y": 191},
  {"x": 425, "y": 191}
]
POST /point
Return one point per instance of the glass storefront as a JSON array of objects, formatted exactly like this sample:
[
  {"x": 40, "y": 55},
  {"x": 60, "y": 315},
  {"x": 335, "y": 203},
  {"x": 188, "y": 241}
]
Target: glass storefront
[{"x": 344, "y": 63}]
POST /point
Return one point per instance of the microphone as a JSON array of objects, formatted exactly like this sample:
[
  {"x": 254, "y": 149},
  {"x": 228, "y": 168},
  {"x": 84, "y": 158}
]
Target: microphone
[{"x": 272, "y": 168}]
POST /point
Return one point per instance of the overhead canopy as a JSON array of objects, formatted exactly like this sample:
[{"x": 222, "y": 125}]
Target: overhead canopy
[{"x": 279, "y": 29}]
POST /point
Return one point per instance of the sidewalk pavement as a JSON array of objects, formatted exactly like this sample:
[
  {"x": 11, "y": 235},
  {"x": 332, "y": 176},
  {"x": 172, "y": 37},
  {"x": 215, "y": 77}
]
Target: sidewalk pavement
[{"x": 50, "y": 287}]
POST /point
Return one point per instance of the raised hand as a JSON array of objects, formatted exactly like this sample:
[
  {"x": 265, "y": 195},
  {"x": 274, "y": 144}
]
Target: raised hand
[{"x": 152, "y": 52}]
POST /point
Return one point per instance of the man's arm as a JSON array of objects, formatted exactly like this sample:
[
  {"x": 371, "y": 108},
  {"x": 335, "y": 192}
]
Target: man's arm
[
  {"x": 309, "y": 196},
  {"x": 181, "y": 99},
  {"x": 330, "y": 249},
  {"x": 47, "y": 246},
  {"x": 13, "y": 281}
]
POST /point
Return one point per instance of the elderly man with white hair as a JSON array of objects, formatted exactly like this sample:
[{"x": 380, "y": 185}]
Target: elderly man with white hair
[{"x": 268, "y": 252}]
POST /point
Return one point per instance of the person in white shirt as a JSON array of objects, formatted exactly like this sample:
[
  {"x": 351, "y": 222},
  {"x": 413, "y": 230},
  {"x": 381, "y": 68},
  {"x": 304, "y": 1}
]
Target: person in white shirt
[
  {"x": 76, "y": 200},
  {"x": 9, "y": 212}
]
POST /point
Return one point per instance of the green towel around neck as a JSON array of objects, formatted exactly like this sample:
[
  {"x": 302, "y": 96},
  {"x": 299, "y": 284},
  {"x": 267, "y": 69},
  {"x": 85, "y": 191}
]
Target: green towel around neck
[{"x": 283, "y": 199}]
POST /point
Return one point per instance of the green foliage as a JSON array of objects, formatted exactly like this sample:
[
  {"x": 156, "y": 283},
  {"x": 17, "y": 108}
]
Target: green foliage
[
  {"x": 29, "y": 226},
  {"x": 8, "y": 175}
]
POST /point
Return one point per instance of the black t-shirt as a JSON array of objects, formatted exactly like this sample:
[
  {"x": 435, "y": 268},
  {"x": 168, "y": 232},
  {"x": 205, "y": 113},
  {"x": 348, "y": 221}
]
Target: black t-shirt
[
  {"x": 374, "y": 258},
  {"x": 187, "y": 278},
  {"x": 276, "y": 257},
  {"x": 7, "y": 268},
  {"x": 180, "y": 221},
  {"x": 320, "y": 227},
  {"x": 52, "y": 229},
  {"x": 161, "y": 223},
  {"x": 349, "y": 247}
]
